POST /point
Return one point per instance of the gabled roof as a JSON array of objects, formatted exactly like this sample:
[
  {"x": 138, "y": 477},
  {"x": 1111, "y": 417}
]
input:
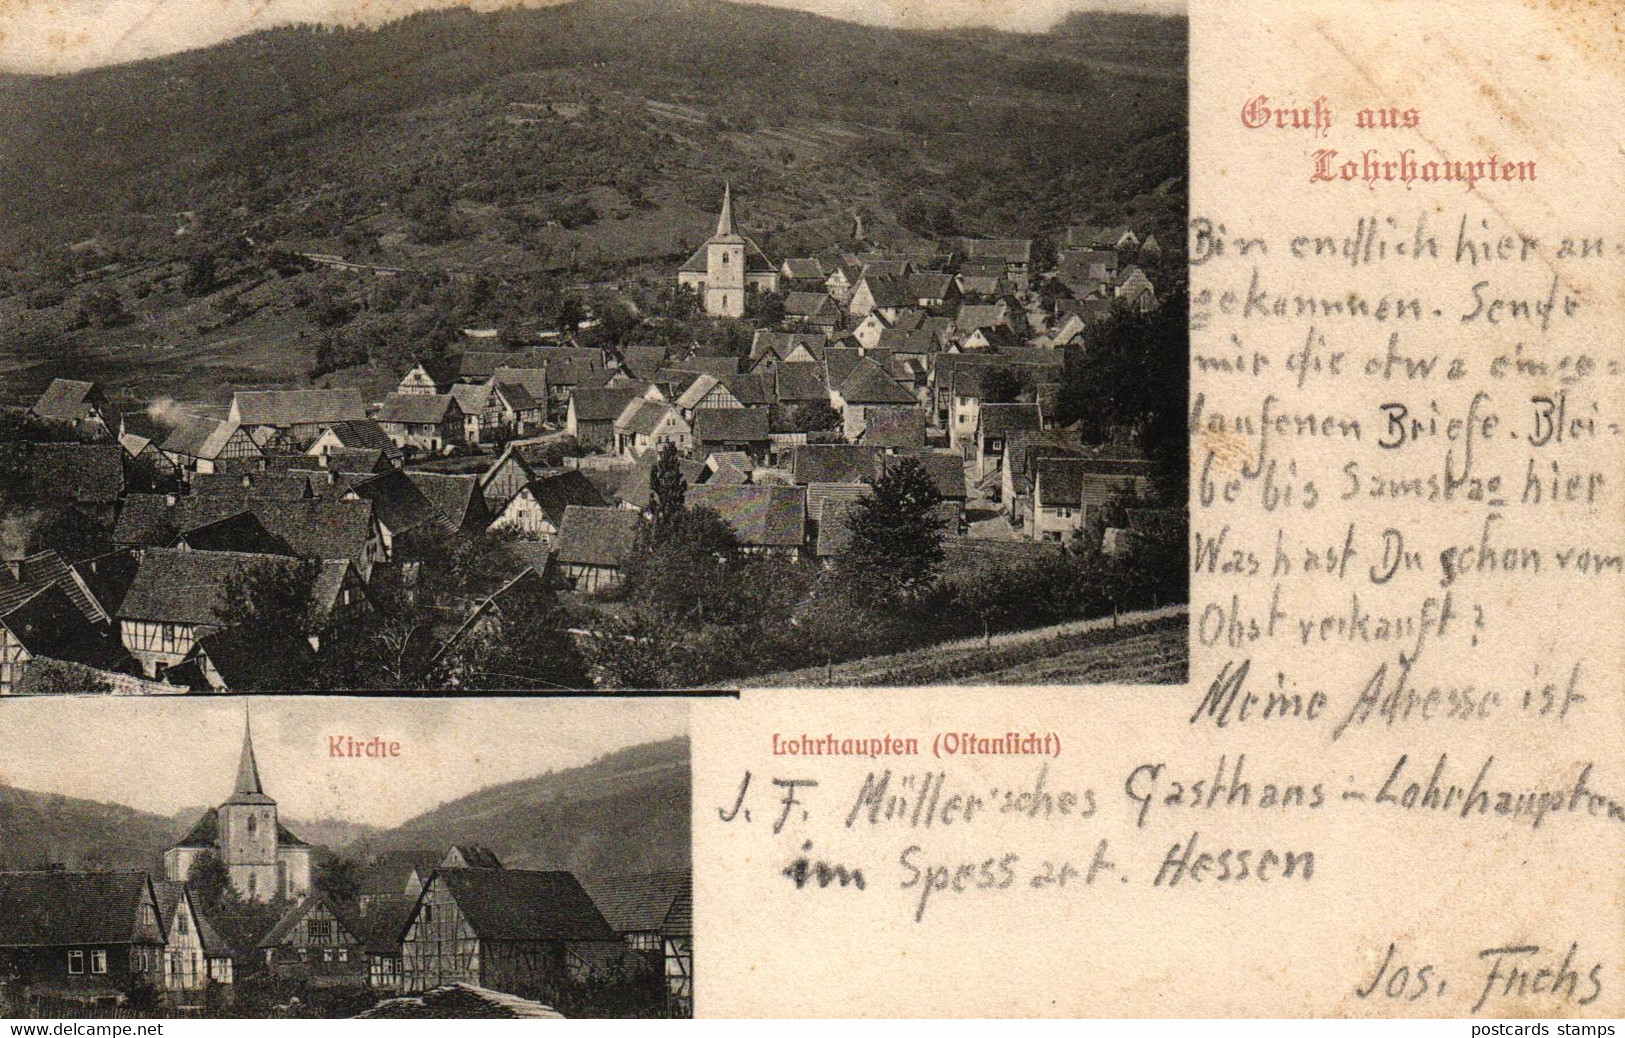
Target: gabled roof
[
  {"x": 1011, "y": 250},
  {"x": 731, "y": 425},
  {"x": 170, "y": 894},
  {"x": 718, "y": 367},
  {"x": 890, "y": 291},
  {"x": 54, "y": 908},
  {"x": 1006, "y": 419},
  {"x": 514, "y": 395},
  {"x": 895, "y": 428},
  {"x": 679, "y": 921},
  {"x": 456, "y": 496},
  {"x": 43, "y": 569},
  {"x": 633, "y": 489},
  {"x": 645, "y": 416},
  {"x": 761, "y": 515},
  {"x": 820, "y": 496},
  {"x": 534, "y": 379},
  {"x": 1083, "y": 481},
  {"x": 839, "y": 362},
  {"x": 48, "y": 624},
  {"x": 799, "y": 382},
  {"x": 643, "y": 362},
  {"x": 442, "y": 371},
  {"x": 597, "y": 536},
  {"x": 285, "y": 926},
  {"x": 946, "y": 469},
  {"x": 868, "y": 383},
  {"x": 780, "y": 345},
  {"x": 640, "y": 903},
  {"x": 189, "y": 587},
  {"x": 90, "y": 473},
  {"x": 803, "y": 268},
  {"x": 479, "y": 365},
  {"x": 399, "y": 504},
  {"x": 691, "y": 397},
  {"x": 808, "y": 305},
  {"x": 285, "y": 407},
  {"x": 240, "y": 532},
  {"x": 197, "y": 437},
  {"x": 522, "y": 905},
  {"x": 603, "y": 405},
  {"x": 557, "y": 491},
  {"x": 362, "y": 436},
  {"x": 419, "y": 409},
  {"x": 834, "y": 463},
  {"x": 63, "y": 398}
]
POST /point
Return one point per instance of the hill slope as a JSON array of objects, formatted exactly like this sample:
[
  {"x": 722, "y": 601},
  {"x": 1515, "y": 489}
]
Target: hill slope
[
  {"x": 626, "y": 812},
  {"x": 43, "y": 829}
]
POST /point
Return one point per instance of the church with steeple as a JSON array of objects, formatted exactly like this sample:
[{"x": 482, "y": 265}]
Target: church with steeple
[
  {"x": 727, "y": 267},
  {"x": 265, "y": 860}
]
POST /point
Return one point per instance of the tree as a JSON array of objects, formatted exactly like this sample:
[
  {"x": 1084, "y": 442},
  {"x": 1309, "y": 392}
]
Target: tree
[
  {"x": 201, "y": 275},
  {"x": 276, "y": 598},
  {"x": 667, "y": 488},
  {"x": 688, "y": 568},
  {"x": 523, "y": 643},
  {"x": 339, "y": 878},
  {"x": 210, "y": 881},
  {"x": 896, "y": 533}
]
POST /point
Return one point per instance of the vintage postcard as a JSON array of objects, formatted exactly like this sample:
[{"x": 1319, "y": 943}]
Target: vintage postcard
[{"x": 660, "y": 508}]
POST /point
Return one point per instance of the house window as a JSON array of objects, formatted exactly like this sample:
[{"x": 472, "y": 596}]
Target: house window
[
  {"x": 145, "y": 912},
  {"x": 76, "y": 962},
  {"x": 321, "y": 929},
  {"x": 1063, "y": 513},
  {"x": 344, "y": 955},
  {"x": 327, "y": 955},
  {"x": 428, "y": 913},
  {"x": 181, "y": 925},
  {"x": 98, "y": 960},
  {"x": 253, "y": 885},
  {"x": 253, "y": 825}
]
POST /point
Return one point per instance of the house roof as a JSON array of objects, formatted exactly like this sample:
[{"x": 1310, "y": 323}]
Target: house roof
[
  {"x": 515, "y": 394},
  {"x": 781, "y": 344},
  {"x": 972, "y": 316},
  {"x": 803, "y": 268},
  {"x": 834, "y": 463},
  {"x": 633, "y": 488},
  {"x": 868, "y": 383},
  {"x": 189, "y": 587},
  {"x": 380, "y": 924},
  {"x": 48, "y": 624},
  {"x": 821, "y": 495},
  {"x": 479, "y": 365},
  {"x": 680, "y": 920},
  {"x": 419, "y": 409},
  {"x": 532, "y": 380},
  {"x": 522, "y": 905},
  {"x": 91, "y": 473},
  {"x": 442, "y": 371},
  {"x": 64, "y": 398},
  {"x": 285, "y": 407},
  {"x": 48, "y": 909},
  {"x": 198, "y": 437},
  {"x": 715, "y": 366},
  {"x": 604, "y": 405},
  {"x": 839, "y": 362},
  {"x": 761, "y": 515},
  {"x": 756, "y": 261},
  {"x": 456, "y": 496},
  {"x": 278, "y": 485},
  {"x": 697, "y": 391},
  {"x": 362, "y": 436},
  {"x": 642, "y": 362},
  {"x": 895, "y": 427},
  {"x": 1011, "y": 250},
  {"x": 399, "y": 504},
  {"x": 557, "y": 491},
  {"x": 1005, "y": 419},
  {"x": 640, "y": 903},
  {"x": 731, "y": 425},
  {"x": 834, "y": 532},
  {"x": 239, "y": 532},
  {"x": 808, "y": 305},
  {"x": 43, "y": 569},
  {"x": 170, "y": 893},
  {"x": 1087, "y": 481},
  {"x": 294, "y": 916},
  {"x": 946, "y": 469},
  {"x": 597, "y": 536},
  {"x": 797, "y": 382}
]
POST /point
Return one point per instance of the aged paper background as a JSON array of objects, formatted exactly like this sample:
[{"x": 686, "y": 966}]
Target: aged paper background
[
  {"x": 1393, "y": 886},
  {"x": 1529, "y": 82}
]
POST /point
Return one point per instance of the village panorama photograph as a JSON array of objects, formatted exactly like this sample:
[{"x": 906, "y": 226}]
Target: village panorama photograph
[
  {"x": 599, "y": 345},
  {"x": 328, "y": 857}
]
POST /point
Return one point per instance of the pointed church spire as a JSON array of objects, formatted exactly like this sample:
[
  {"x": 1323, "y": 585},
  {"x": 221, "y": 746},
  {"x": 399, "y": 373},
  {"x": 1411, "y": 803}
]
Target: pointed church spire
[
  {"x": 725, "y": 222},
  {"x": 248, "y": 771}
]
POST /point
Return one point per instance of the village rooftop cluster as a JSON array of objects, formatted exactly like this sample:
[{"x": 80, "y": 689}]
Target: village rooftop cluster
[{"x": 950, "y": 357}]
